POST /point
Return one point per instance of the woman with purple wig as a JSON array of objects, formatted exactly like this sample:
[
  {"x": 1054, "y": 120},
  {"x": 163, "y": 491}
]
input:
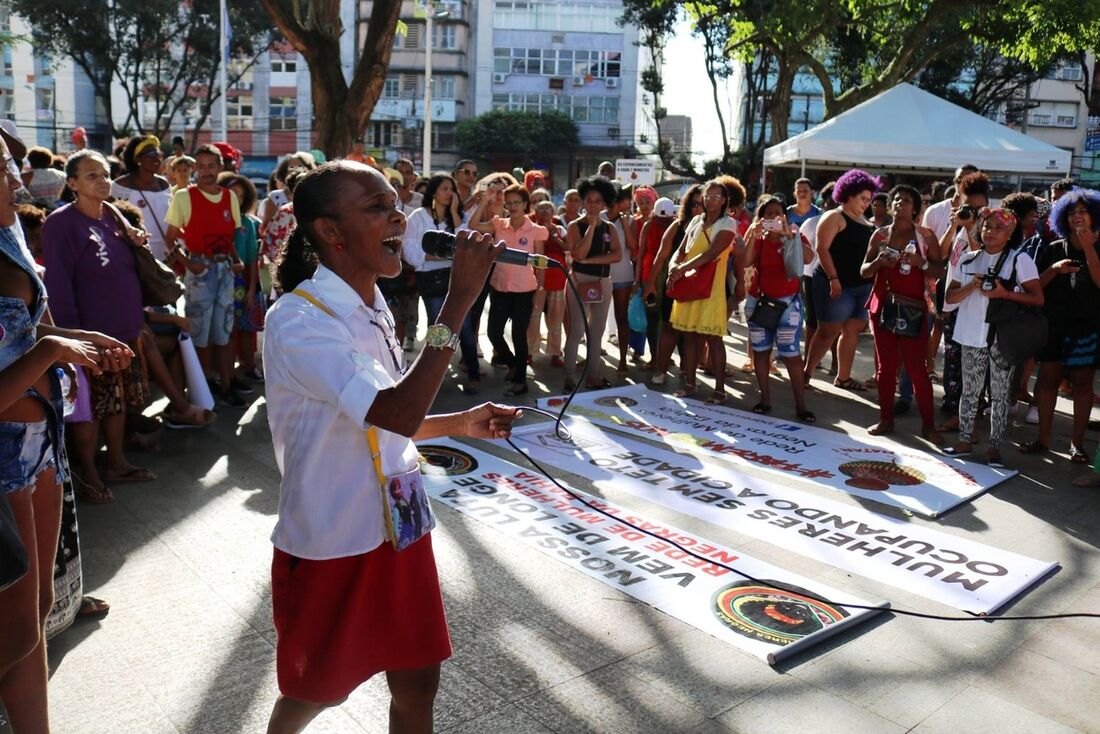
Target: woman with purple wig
[
  {"x": 839, "y": 289},
  {"x": 1069, "y": 271}
]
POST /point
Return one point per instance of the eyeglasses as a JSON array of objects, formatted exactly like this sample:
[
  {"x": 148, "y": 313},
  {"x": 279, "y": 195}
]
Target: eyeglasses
[
  {"x": 385, "y": 324},
  {"x": 152, "y": 153},
  {"x": 714, "y": 197},
  {"x": 468, "y": 171}
]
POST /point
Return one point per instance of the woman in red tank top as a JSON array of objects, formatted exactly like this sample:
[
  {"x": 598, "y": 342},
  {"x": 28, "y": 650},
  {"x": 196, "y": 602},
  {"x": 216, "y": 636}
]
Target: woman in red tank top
[{"x": 899, "y": 276}]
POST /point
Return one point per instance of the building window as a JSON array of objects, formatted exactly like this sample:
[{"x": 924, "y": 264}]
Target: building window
[
  {"x": 443, "y": 136},
  {"x": 284, "y": 65},
  {"x": 581, "y": 108},
  {"x": 283, "y": 112},
  {"x": 239, "y": 112},
  {"x": 443, "y": 87},
  {"x": 1065, "y": 71},
  {"x": 43, "y": 103},
  {"x": 444, "y": 37},
  {"x": 557, "y": 62},
  {"x": 381, "y": 134},
  {"x": 565, "y": 16},
  {"x": 1054, "y": 114},
  {"x": 391, "y": 88},
  {"x": 7, "y": 109},
  {"x": 411, "y": 38}
]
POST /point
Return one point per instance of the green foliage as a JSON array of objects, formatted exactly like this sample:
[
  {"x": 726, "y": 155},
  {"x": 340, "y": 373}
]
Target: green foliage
[
  {"x": 154, "y": 49},
  {"x": 516, "y": 134}
]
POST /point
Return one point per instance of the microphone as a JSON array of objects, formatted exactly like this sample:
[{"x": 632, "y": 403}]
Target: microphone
[{"x": 438, "y": 243}]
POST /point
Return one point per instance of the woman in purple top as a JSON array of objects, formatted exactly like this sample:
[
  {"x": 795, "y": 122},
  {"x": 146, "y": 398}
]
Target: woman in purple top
[{"x": 93, "y": 285}]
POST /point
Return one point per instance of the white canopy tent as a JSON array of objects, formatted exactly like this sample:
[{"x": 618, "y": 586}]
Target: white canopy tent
[{"x": 907, "y": 129}]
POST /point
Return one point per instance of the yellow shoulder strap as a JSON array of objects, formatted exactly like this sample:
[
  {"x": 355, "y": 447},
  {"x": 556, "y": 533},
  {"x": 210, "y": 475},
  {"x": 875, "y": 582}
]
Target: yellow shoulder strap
[
  {"x": 372, "y": 432},
  {"x": 309, "y": 297}
]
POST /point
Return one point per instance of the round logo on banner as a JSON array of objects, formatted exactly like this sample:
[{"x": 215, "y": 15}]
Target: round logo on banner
[
  {"x": 445, "y": 461},
  {"x": 880, "y": 475},
  {"x": 616, "y": 401},
  {"x": 761, "y": 612}
]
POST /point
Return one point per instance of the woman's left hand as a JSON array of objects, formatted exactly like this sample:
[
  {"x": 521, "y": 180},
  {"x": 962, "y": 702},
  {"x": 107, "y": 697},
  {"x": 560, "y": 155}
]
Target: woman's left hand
[
  {"x": 117, "y": 355},
  {"x": 138, "y": 237},
  {"x": 997, "y": 291},
  {"x": 490, "y": 420}
]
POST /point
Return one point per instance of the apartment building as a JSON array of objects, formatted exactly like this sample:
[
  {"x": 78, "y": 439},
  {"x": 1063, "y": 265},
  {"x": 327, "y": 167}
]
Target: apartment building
[{"x": 565, "y": 55}]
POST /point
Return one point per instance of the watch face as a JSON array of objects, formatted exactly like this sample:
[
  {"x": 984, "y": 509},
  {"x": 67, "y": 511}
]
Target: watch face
[{"x": 439, "y": 335}]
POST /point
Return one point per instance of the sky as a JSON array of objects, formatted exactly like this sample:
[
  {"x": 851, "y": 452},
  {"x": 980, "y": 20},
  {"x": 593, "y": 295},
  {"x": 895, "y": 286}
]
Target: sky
[{"x": 687, "y": 91}]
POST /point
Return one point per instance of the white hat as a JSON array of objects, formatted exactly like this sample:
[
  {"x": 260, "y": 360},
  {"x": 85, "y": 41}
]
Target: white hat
[
  {"x": 16, "y": 146},
  {"x": 664, "y": 207}
]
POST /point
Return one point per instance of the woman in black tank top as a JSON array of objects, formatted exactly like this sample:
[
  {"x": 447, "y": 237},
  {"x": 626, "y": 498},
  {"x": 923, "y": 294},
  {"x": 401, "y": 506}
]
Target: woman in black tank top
[{"x": 840, "y": 293}]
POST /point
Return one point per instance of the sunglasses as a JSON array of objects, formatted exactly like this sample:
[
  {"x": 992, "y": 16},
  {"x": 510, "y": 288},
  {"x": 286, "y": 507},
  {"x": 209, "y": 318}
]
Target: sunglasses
[
  {"x": 151, "y": 153},
  {"x": 468, "y": 171}
]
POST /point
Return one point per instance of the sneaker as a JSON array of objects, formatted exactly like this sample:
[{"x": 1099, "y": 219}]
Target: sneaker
[
  {"x": 1032, "y": 415},
  {"x": 409, "y": 344},
  {"x": 242, "y": 387},
  {"x": 231, "y": 399}
]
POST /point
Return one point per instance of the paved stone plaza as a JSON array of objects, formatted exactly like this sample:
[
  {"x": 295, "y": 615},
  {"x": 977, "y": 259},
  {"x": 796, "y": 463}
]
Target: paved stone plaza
[{"x": 189, "y": 646}]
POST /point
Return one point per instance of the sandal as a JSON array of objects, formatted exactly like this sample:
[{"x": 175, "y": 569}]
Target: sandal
[
  {"x": 718, "y": 397},
  {"x": 881, "y": 429},
  {"x": 603, "y": 384},
  {"x": 134, "y": 474},
  {"x": 993, "y": 459},
  {"x": 1077, "y": 456},
  {"x": 761, "y": 408},
  {"x": 932, "y": 436},
  {"x": 515, "y": 390},
  {"x": 92, "y": 494},
  {"x": 957, "y": 451},
  {"x": 807, "y": 416},
  {"x": 92, "y": 608},
  {"x": 193, "y": 417},
  {"x": 870, "y": 383},
  {"x": 687, "y": 391},
  {"x": 850, "y": 384},
  {"x": 1034, "y": 448}
]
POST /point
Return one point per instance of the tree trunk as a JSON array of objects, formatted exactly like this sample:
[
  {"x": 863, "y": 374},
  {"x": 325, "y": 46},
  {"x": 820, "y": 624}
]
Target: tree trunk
[{"x": 779, "y": 107}]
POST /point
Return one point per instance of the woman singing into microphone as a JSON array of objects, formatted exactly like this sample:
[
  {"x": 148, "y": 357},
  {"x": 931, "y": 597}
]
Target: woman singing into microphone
[{"x": 347, "y": 605}]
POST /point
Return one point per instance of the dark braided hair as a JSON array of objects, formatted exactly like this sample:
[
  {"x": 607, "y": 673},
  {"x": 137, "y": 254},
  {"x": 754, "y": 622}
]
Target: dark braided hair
[{"x": 314, "y": 198}]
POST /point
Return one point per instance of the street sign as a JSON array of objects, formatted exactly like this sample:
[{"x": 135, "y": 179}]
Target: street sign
[
  {"x": 636, "y": 171},
  {"x": 1092, "y": 141}
]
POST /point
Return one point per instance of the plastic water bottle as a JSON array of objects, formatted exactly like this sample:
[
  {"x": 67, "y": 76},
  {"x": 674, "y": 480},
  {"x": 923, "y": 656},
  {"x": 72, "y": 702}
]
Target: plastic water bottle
[
  {"x": 68, "y": 406},
  {"x": 911, "y": 249}
]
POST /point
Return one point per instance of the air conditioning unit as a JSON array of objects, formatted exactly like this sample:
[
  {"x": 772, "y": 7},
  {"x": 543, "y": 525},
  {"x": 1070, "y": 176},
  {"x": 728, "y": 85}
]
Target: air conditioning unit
[
  {"x": 499, "y": 78},
  {"x": 611, "y": 82},
  {"x": 557, "y": 38},
  {"x": 578, "y": 81}
]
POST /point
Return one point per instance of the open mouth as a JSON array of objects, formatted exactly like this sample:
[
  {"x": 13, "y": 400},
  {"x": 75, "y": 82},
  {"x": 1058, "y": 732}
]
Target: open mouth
[{"x": 392, "y": 244}]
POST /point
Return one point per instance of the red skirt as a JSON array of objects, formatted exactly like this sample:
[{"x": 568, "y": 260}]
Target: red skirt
[{"x": 340, "y": 621}]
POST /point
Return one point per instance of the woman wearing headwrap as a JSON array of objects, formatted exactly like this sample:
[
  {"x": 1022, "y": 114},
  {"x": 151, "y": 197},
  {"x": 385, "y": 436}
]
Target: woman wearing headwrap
[{"x": 144, "y": 187}]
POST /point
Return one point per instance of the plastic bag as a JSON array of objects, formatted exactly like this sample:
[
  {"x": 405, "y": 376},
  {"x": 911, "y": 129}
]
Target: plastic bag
[{"x": 635, "y": 313}]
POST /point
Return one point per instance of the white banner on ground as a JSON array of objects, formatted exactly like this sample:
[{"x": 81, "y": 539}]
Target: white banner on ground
[
  {"x": 955, "y": 571},
  {"x": 926, "y": 483},
  {"x": 756, "y": 617}
]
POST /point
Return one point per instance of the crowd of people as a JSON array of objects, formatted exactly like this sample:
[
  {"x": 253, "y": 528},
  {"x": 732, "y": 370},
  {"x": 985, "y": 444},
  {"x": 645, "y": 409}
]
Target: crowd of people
[{"x": 811, "y": 274}]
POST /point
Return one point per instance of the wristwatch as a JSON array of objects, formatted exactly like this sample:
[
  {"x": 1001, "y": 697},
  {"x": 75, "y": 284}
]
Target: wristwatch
[{"x": 440, "y": 336}]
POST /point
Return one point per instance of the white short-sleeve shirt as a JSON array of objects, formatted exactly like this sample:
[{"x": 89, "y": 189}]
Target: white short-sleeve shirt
[
  {"x": 971, "y": 330},
  {"x": 938, "y": 217},
  {"x": 322, "y": 374},
  {"x": 809, "y": 231}
]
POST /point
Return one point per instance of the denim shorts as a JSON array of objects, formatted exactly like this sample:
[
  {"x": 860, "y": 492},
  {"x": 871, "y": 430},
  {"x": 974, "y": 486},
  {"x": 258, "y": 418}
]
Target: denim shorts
[
  {"x": 27, "y": 450},
  {"x": 209, "y": 300},
  {"x": 787, "y": 338},
  {"x": 852, "y": 303}
]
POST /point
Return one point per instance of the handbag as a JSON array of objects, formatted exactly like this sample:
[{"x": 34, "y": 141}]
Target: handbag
[
  {"x": 433, "y": 283},
  {"x": 159, "y": 284},
  {"x": 13, "y": 554},
  {"x": 1021, "y": 331},
  {"x": 768, "y": 312},
  {"x": 793, "y": 260},
  {"x": 591, "y": 291},
  {"x": 697, "y": 283},
  {"x": 902, "y": 315}
]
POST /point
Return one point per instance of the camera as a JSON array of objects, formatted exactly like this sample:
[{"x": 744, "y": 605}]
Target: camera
[
  {"x": 773, "y": 225},
  {"x": 989, "y": 281},
  {"x": 967, "y": 212}
]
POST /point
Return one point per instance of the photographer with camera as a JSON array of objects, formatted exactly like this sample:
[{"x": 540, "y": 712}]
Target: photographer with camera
[
  {"x": 995, "y": 270},
  {"x": 960, "y": 237},
  {"x": 1070, "y": 277}
]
